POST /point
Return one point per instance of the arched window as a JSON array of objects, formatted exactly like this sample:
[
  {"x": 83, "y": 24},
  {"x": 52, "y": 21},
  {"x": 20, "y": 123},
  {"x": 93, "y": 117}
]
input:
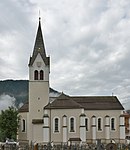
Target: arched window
[
  {"x": 99, "y": 124},
  {"x": 112, "y": 123},
  {"x": 23, "y": 125},
  {"x": 56, "y": 125},
  {"x": 35, "y": 75},
  {"x": 86, "y": 123},
  {"x": 71, "y": 124},
  {"x": 41, "y": 75}
]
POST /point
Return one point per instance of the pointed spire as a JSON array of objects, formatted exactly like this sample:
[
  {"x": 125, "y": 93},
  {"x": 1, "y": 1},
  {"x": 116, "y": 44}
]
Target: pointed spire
[{"x": 39, "y": 46}]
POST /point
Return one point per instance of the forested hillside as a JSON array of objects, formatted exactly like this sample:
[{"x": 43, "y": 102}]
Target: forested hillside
[{"x": 17, "y": 89}]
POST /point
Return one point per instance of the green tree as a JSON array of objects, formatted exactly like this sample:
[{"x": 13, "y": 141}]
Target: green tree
[{"x": 9, "y": 121}]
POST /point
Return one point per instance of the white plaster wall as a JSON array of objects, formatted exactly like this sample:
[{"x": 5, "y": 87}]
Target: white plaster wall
[
  {"x": 102, "y": 114},
  {"x": 107, "y": 127},
  {"x": 23, "y": 135},
  {"x": 83, "y": 134},
  {"x": 46, "y": 121},
  {"x": 58, "y": 137},
  {"x": 37, "y": 133},
  {"x": 38, "y": 98},
  {"x": 76, "y": 113},
  {"x": 46, "y": 135},
  {"x": 122, "y": 128},
  {"x": 64, "y": 134}
]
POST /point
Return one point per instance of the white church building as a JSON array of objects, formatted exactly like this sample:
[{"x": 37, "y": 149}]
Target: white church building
[{"x": 66, "y": 119}]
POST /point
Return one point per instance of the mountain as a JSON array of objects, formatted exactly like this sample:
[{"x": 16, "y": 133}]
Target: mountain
[{"x": 17, "y": 91}]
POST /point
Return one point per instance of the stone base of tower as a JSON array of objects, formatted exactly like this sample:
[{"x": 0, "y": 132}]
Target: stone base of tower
[{"x": 37, "y": 135}]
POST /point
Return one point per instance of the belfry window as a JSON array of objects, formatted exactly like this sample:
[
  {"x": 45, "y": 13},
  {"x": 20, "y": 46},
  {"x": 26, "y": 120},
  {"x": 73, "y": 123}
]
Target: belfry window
[
  {"x": 41, "y": 75},
  {"x": 35, "y": 75}
]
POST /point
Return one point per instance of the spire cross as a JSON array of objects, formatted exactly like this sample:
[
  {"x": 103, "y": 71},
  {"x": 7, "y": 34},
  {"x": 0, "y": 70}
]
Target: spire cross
[{"x": 39, "y": 16}]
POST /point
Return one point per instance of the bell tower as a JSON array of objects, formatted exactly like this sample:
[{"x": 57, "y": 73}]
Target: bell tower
[{"x": 39, "y": 69}]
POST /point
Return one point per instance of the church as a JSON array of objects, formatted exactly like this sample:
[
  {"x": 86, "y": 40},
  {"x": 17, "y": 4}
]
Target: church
[{"x": 65, "y": 119}]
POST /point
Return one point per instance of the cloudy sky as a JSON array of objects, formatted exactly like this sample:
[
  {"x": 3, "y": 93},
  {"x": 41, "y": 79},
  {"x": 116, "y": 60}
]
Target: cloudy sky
[{"x": 88, "y": 42}]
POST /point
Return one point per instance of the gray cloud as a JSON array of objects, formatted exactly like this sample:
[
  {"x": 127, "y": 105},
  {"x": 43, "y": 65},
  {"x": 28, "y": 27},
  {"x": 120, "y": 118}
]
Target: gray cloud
[
  {"x": 6, "y": 101},
  {"x": 88, "y": 43}
]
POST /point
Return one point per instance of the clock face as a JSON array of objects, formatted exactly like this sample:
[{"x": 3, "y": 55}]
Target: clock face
[{"x": 39, "y": 64}]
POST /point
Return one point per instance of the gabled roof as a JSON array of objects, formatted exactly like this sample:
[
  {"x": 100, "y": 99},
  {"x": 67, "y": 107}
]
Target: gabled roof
[
  {"x": 24, "y": 108},
  {"x": 86, "y": 102},
  {"x": 39, "y": 47},
  {"x": 63, "y": 102}
]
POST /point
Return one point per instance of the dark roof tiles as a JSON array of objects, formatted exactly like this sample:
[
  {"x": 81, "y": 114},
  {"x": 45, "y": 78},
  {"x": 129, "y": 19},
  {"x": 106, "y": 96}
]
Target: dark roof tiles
[
  {"x": 63, "y": 102},
  {"x": 86, "y": 102},
  {"x": 99, "y": 102},
  {"x": 24, "y": 108}
]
